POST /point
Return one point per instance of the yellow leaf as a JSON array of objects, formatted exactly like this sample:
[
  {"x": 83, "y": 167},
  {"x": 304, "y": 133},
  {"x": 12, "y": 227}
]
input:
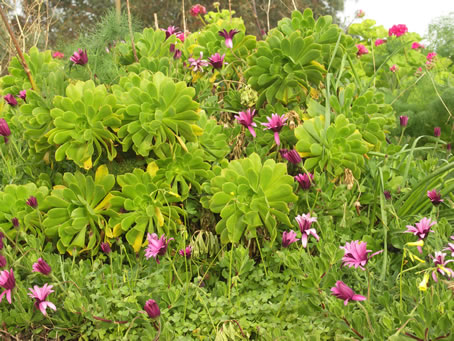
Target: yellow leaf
[
  {"x": 158, "y": 213},
  {"x": 105, "y": 203},
  {"x": 152, "y": 168},
  {"x": 182, "y": 143},
  {"x": 137, "y": 243},
  {"x": 117, "y": 231},
  {"x": 88, "y": 164},
  {"x": 196, "y": 130},
  {"x": 109, "y": 232},
  {"x": 213, "y": 78},
  {"x": 101, "y": 172},
  {"x": 46, "y": 158},
  {"x": 59, "y": 187}
]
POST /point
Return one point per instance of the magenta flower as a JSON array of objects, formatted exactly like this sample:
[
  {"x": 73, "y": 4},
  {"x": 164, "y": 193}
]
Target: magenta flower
[
  {"x": 23, "y": 94},
  {"x": 58, "y": 55},
  {"x": 40, "y": 295},
  {"x": 421, "y": 230},
  {"x": 450, "y": 247},
  {"x": 15, "y": 222},
  {"x": 379, "y": 42},
  {"x": 360, "y": 13},
  {"x": 417, "y": 45},
  {"x": 275, "y": 123},
  {"x": 305, "y": 180},
  {"x": 187, "y": 252},
  {"x": 437, "y": 131},
  {"x": 176, "y": 52},
  {"x": 42, "y": 267},
  {"x": 361, "y": 50},
  {"x": 403, "y": 121},
  {"x": 228, "y": 36},
  {"x": 291, "y": 156},
  {"x": 80, "y": 57},
  {"x": 8, "y": 282},
  {"x": 4, "y": 129},
  {"x": 171, "y": 30},
  {"x": 181, "y": 36},
  {"x": 2, "y": 261},
  {"x": 435, "y": 197},
  {"x": 356, "y": 254},
  {"x": 387, "y": 195},
  {"x": 439, "y": 261},
  {"x": 197, "y": 10},
  {"x": 156, "y": 247},
  {"x": 305, "y": 221},
  {"x": 217, "y": 61},
  {"x": 288, "y": 238},
  {"x": 344, "y": 292},
  {"x": 197, "y": 64},
  {"x": 398, "y": 30},
  {"x": 11, "y": 100},
  {"x": 245, "y": 118},
  {"x": 105, "y": 247},
  {"x": 32, "y": 202},
  {"x": 431, "y": 56},
  {"x": 152, "y": 309},
  {"x": 393, "y": 68}
]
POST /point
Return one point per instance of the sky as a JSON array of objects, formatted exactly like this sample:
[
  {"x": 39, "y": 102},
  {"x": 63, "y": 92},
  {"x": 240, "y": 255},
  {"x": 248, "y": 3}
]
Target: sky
[{"x": 416, "y": 14}]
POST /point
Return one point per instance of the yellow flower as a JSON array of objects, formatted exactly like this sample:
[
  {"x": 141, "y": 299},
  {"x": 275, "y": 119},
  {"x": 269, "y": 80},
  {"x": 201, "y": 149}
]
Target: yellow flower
[
  {"x": 423, "y": 285},
  {"x": 418, "y": 243}
]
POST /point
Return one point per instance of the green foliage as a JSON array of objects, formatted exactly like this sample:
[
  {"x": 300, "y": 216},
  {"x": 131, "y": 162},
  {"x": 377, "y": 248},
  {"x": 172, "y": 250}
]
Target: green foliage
[
  {"x": 340, "y": 146},
  {"x": 147, "y": 207},
  {"x": 249, "y": 194},
  {"x": 441, "y": 35},
  {"x": 82, "y": 121},
  {"x": 157, "y": 113},
  {"x": 77, "y": 211}
]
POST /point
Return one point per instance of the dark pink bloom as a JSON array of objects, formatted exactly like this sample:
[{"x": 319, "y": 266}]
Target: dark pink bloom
[
  {"x": 305, "y": 221},
  {"x": 181, "y": 36},
  {"x": 379, "y": 42},
  {"x": 42, "y": 267},
  {"x": 186, "y": 252},
  {"x": 431, "y": 56},
  {"x": 342, "y": 291},
  {"x": 176, "y": 52},
  {"x": 393, "y": 68},
  {"x": 156, "y": 246},
  {"x": 421, "y": 230},
  {"x": 291, "y": 156},
  {"x": 417, "y": 45},
  {"x": 403, "y": 121},
  {"x": 8, "y": 282},
  {"x": 105, "y": 247},
  {"x": 197, "y": 10},
  {"x": 171, "y": 30},
  {"x": 434, "y": 196},
  {"x": 450, "y": 247},
  {"x": 356, "y": 254},
  {"x": 437, "y": 131},
  {"x": 228, "y": 36},
  {"x": 288, "y": 238},
  {"x": 58, "y": 55},
  {"x": 152, "y": 309},
  {"x": 361, "y": 50},
  {"x": 305, "y": 180},
  {"x": 10, "y": 100},
  {"x": 275, "y": 123},
  {"x": 387, "y": 195},
  {"x": 439, "y": 261},
  {"x": 32, "y": 202},
  {"x": 2, "y": 261},
  {"x": 15, "y": 222},
  {"x": 80, "y": 57},
  {"x": 4, "y": 129},
  {"x": 398, "y": 30},
  {"x": 23, "y": 94},
  {"x": 197, "y": 64},
  {"x": 40, "y": 295},
  {"x": 245, "y": 118},
  {"x": 217, "y": 61},
  {"x": 448, "y": 147}
]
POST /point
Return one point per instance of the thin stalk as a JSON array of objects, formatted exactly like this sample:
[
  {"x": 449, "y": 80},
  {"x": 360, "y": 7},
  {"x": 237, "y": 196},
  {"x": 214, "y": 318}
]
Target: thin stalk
[
  {"x": 367, "y": 318},
  {"x": 230, "y": 272},
  {"x": 131, "y": 33},
  {"x": 284, "y": 300},
  {"x": 400, "y": 280},
  {"x": 261, "y": 256}
]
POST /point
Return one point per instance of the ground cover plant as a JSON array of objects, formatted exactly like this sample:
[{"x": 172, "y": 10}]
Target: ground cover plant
[{"x": 215, "y": 185}]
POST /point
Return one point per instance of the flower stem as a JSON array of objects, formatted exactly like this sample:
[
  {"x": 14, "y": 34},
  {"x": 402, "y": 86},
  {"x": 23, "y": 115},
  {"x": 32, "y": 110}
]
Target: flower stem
[
  {"x": 367, "y": 318},
  {"x": 368, "y": 283},
  {"x": 400, "y": 284}
]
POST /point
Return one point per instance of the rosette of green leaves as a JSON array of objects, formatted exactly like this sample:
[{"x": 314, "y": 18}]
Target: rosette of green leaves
[
  {"x": 248, "y": 194},
  {"x": 340, "y": 146},
  {"x": 213, "y": 140},
  {"x": 13, "y": 200},
  {"x": 47, "y": 73},
  {"x": 147, "y": 205},
  {"x": 77, "y": 211},
  {"x": 157, "y": 113},
  {"x": 183, "y": 171},
  {"x": 83, "y": 121}
]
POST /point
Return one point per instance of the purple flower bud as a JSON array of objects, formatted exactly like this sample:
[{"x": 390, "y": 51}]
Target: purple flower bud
[
  {"x": 435, "y": 197},
  {"x": 403, "y": 121},
  {"x": 186, "y": 252},
  {"x": 4, "y": 129},
  {"x": 42, "y": 267},
  {"x": 152, "y": 309},
  {"x": 291, "y": 156},
  {"x": 342, "y": 291},
  {"x": 437, "y": 131},
  {"x": 448, "y": 147},
  {"x": 15, "y": 222},
  {"x": 2, "y": 261},
  {"x": 387, "y": 195},
  {"x": 305, "y": 180},
  {"x": 32, "y": 202},
  {"x": 23, "y": 94},
  {"x": 105, "y": 247},
  {"x": 288, "y": 238},
  {"x": 10, "y": 100}
]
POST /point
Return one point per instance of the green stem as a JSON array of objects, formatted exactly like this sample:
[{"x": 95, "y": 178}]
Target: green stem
[
  {"x": 230, "y": 272},
  {"x": 367, "y": 318},
  {"x": 400, "y": 284},
  {"x": 175, "y": 270},
  {"x": 261, "y": 256},
  {"x": 284, "y": 300},
  {"x": 368, "y": 283}
]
